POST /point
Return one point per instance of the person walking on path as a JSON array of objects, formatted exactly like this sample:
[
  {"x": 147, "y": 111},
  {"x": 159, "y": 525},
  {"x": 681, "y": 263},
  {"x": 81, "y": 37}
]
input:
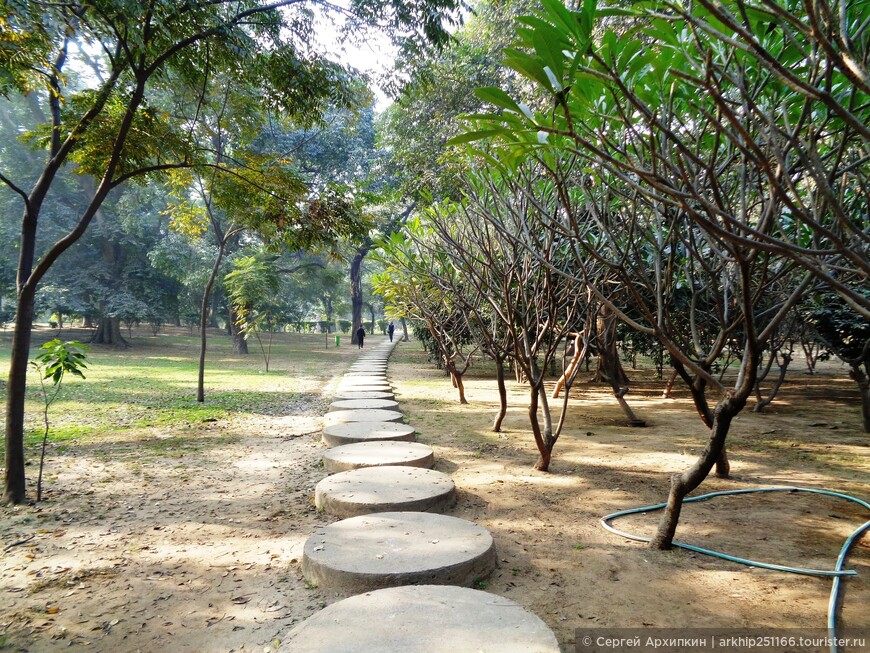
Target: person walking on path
[
  {"x": 390, "y": 330},
  {"x": 360, "y": 336}
]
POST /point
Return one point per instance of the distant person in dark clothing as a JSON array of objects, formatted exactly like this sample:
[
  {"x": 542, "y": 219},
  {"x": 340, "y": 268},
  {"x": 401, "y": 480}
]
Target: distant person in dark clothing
[
  {"x": 390, "y": 330},
  {"x": 360, "y": 336}
]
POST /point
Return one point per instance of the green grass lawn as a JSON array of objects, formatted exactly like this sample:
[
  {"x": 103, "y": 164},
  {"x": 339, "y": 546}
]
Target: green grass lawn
[{"x": 153, "y": 382}]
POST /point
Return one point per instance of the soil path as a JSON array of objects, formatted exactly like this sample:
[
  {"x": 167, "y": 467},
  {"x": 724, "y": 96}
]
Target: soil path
[{"x": 196, "y": 552}]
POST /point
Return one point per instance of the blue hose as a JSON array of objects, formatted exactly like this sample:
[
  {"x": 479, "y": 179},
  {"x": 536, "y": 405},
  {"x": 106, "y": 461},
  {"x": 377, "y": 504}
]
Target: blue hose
[{"x": 837, "y": 573}]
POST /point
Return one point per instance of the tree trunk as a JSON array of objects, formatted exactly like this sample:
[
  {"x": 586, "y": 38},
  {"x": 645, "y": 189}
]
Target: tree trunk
[
  {"x": 458, "y": 384},
  {"x": 549, "y": 441},
  {"x": 405, "y": 337},
  {"x": 681, "y": 484},
  {"x": 16, "y": 387},
  {"x": 669, "y": 386},
  {"x": 216, "y": 302},
  {"x": 863, "y": 380},
  {"x": 203, "y": 322},
  {"x": 240, "y": 345},
  {"x": 502, "y": 394},
  {"x": 609, "y": 366},
  {"x": 543, "y": 463},
  {"x": 109, "y": 328},
  {"x": 763, "y": 402},
  {"x": 698, "y": 390},
  {"x": 356, "y": 299},
  {"x": 109, "y": 333}
]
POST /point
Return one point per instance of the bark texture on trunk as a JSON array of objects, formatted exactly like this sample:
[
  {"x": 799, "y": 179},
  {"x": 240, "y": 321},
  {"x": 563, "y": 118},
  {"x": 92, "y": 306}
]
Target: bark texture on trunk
[
  {"x": 681, "y": 484},
  {"x": 545, "y": 454},
  {"x": 356, "y": 299},
  {"x": 109, "y": 333},
  {"x": 204, "y": 311},
  {"x": 458, "y": 384},
  {"x": 698, "y": 390},
  {"x": 15, "y": 486},
  {"x": 763, "y": 402},
  {"x": 502, "y": 395}
]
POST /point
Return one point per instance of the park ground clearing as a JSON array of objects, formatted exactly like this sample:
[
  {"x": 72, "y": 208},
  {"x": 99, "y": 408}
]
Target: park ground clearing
[{"x": 173, "y": 526}]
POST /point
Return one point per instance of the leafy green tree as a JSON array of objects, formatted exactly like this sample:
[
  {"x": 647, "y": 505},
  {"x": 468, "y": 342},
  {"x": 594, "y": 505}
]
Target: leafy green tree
[
  {"x": 251, "y": 285},
  {"x": 411, "y": 286},
  {"x": 438, "y": 90},
  {"x": 136, "y": 115},
  {"x": 689, "y": 168}
]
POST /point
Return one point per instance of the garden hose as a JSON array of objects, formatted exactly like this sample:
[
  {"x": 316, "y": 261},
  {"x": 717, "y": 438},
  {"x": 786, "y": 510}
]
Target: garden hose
[{"x": 836, "y": 573}]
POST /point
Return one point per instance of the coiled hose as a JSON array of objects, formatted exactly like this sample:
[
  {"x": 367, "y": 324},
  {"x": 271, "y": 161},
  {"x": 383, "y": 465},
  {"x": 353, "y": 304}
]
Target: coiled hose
[{"x": 836, "y": 573}]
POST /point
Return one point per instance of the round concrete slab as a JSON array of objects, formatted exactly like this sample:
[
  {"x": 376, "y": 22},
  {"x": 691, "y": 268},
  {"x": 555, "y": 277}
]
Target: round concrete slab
[
  {"x": 366, "y": 374},
  {"x": 349, "y": 432},
  {"x": 422, "y": 619},
  {"x": 377, "y": 454},
  {"x": 363, "y": 415},
  {"x": 363, "y": 379},
  {"x": 397, "y": 548},
  {"x": 368, "y": 387},
  {"x": 345, "y": 404},
  {"x": 384, "y": 489},
  {"x": 352, "y": 394},
  {"x": 369, "y": 365}
]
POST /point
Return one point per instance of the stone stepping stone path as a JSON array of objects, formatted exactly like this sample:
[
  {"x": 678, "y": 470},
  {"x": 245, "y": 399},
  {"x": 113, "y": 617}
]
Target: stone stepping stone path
[
  {"x": 422, "y": 619},
  {"x": 398, "y": 548},
  {"x": 353, "y": 394},
  {"x": 369, "y": 387},
  {"x": 346, "y": 404},
  {"x": 346, "y": 433},
  {"x": 384, "y": 489},
  {"x": 363, "y": 415},
  {"x": 377, "y": 454},
  {"x": 364, "y": 379},
  {"x": 392, "y": 537}
]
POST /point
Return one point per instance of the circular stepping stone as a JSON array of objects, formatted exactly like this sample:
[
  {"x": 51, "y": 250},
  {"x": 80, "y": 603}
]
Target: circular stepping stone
[
  {"x": 349, "y": 432},
  {"x": 397, "y": 548},
  {"x": 363, "y": 415},
  {"x": 363, "y": 379},
  {"x": 345, "y": 404},
  {"x": 367, "y": 374},
  {"x": 368, "y": 387},
  {"x": 384, "y": 489},
  {"x": 353, "y": 394},
  {"x": 422, "y": 619},
  {"x": 377, "y": 454}
]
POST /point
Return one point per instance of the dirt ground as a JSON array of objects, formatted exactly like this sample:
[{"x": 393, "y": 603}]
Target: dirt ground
[{"x": 198, "y": 548}]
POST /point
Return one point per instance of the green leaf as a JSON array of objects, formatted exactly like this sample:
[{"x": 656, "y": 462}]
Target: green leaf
[
  {"x": 469, "y": 137},
  {"x": 496, "y": 96},
  {"x": 528, "y": 67}
]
